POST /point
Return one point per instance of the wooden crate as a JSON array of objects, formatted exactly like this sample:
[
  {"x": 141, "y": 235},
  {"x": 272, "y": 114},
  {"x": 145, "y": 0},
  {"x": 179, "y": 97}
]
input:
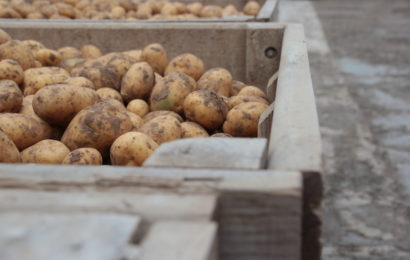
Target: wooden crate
[
  {"x": 270, "y": 55},
  {"x": 268, "y": 12}
]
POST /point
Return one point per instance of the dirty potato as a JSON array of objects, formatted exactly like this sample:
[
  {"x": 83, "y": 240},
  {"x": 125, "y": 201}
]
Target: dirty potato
[
  {"x": 138, "y": 107},
  {"x": 252, "y": 91},
  {"x": 206, "y": 108},
  {"x": 188, "y": 64},
  {"x": 90, "y": 51},
  {"x": 218, "y": 80},
  {"x": 251, "y": 8},
  {"x": 211, "y": 11},
  {"x": 72, "y": 63},
  {"x": 138, "y": 82},
  {"x": 236, "y": 100},
  {"x": 192, "y": 129},
  {"x": 83, "y": 156},
  {"x": 136, "y": 120},
  {"x": 154, "y": 114},
  {"x": 243, "y": 119},
  {"x": 45, "y": 152},
  {"x": 8, "y": 152},
  {"x": 11, "y": 70},
  {"x": 132, "y": 149},
  {"x": 58, "y": 104},
  {"x": 98, "y": 126},
  {"x": 80, "y": 81},
  {"x": 69, "y": 52},
  {"x": 136, "y": 54},
  {"x": 4, "y": 37},
  {"x": 36, "y": 82},
  {"x": 120, "y": 62},
  {"x": 11, "y": 97},
  {"x": 156, "y": 56},
  {"x": 101, "y": 76},
  {"x": 169, "y": 9},
  {"x": 33, "y": 45},
  {"x": 229, "y": 10},
  {"x": 170, "y": 92},
  {"x": 48, "y": 57},
  {"x": 195, "y": 8},
  {"x": 18, "y": 51},
  {"x": 107, "y": 93},
  {"x": 236, "y": 87},
  {"x": 162, "y": 129}
]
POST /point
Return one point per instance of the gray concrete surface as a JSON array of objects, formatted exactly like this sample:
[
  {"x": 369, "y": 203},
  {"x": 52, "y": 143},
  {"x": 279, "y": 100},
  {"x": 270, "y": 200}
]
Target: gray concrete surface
[{"x": 360, "y": 61}]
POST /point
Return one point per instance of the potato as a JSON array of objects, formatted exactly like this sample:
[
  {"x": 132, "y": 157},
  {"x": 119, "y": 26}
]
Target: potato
[
  {"x": 229, "y": 10},
  {"x": 90, "y": 52},
  {"x": 132, "y": 149},
  {"x": 192, "y": 129},
  {"x": 221, "y": 135},
  {"x": 162, "y": 129},
  {"x": 211, "y": 11},
  {"x": 98, "y": 126},
  {"x": 252, "y": 91},
  {"x": 45, "y": 152},
  {"x": 48, "y": 57},
  {"x": 9, "y": 12},
  {"x": 48, "y": 10},
  {"x": 4, "y": 37},
  {"x": 136, "y": 54},
  {"x": 181, "y": 7},
  {"x": 37, "y": 82},
  {"x": 251, "y": 8},
  {"x": 58, "y": 104},
  {"x": 243, "y": 119},
  {"x": 117, "y": 13},
  {"x": 136, "y": 120},
  {"x": 11, "y": 70},
  {"x": 69, "y": 53},
  {"x": 188, "y": 64},
  {"x": 22, "y": 7},
  {"x": 70, "y": 64},
  {"x": 34, "y": 45},
  {"x": 35, "y": 15},
  {"x": 236, "y": 87},
  {"x": 83, "y": 156},
  {"x": 81, "y": 82},
  {"x": 218, "y": 80},
  {"x": 206, "y": 108},
  {"x": 18, "y": 51},
  {"x": 101, "y": 76},
  {"x": 11, "y": 97},
  {"x": 144, "y": 11},
  {"x": 154, "y": 114},
  {"x": 23, "y": 130},
  {"x": 156, "y": 56},
  {"x": 44, "y": 70},
  {"x": 107, "y": 93},
  {"x": 8, "y": 152},
  {"x": 170, "y": 92},
  {"x": 121, "y": 63},
  {"x": 138, "y": 107},
  {"x": 138, "y": 82},
  {"x": 65, "y": 10},
  {"x": 127, "y": 5},
  {"x": 236, "y": 100},
  {"x": 169, "y": 9}
]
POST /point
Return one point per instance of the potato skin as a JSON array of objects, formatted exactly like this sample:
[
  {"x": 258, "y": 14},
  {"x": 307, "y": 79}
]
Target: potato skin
[
  {"x": 162, "y": 129},
  {"x": 154, "y": 114},
  {"x": 69, "y": 52},
  {"x": 211, "y": 11},
  {"x": 98, "y": 126},
  {"x": 195, "y": 8},
  {"x": 4, "y": 37},
  {"x": 206, "y": 108},
  {"x": 45, "y": 152},
  {"x": 188, "y": 64},
  {"x": 170, "y": 92},
  {"x": 23, "y": 130},
  {"x": 48, "y": 57},
  {"x": 101, "y": 76},
  {"x": 132, "y": 149},
  {"x": 243, "y": 119},
  {"x": 236, "y": 87},
  {"x": 138, "y": 82},
  {"x": 10, "y": 69},
  {"x": 107, "y": 93},
  {"x": 251, "y": 8},
  {"x": 218, "y": 80},
  {"x": 81, "y": 82},
  {"x": 156, "y": 56},
  {"x": 252, "y": 91},
  {"x": 11, "y": 97},
  {"x": 38, "y": 82},
  {"x": 83, "y": 156},
  {"x": 8, "y": 152},
  {"x": 135, "y": 54},
  {"x": 192, "y": 129},
  {"x": 236, "y": 100},
  {"x": 90, "y": 51},
  {"x": 58, "y": 104},
  {"x": 121, "y": 63},
  {"x": 136, "y": 120},
  {"x": 138, "y": 107},
  {"x": 229, "y": 10},
  {"x": 18, "y": 51}
]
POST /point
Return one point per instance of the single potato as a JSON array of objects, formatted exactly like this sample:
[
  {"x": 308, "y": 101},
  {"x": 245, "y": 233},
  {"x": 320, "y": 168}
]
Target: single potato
[
  {"x": 211, "y": 11},
  {"x": 11, "y": 70},
  {"x": 69, "y": 52},
  {"x": 81, "y": 82},
  {"x": 45, "y": 152},
  {"x": 4, "y": 37},
  {"x": 236, "y": 87},
  {"x": 136, "y": 120},
  {"x": 101, "y": 76},
  {"x": 192, "y": 129},
  {"x": 18, "y": 51},
  {"x": 243, "y": 119},
  {"x": 236, "y": 100},
  {"x": 218, "y": 80},
  {"x": 206, "y": 108},
  {"x": 83, "y": 156},
  {"x": 188, "y": 64},
  {"x": 48, "y": 57},
  {"x": 138, "y": 107},
  {"x": 138, "y": 82},
  {"x": 132, "y": 149},
  {"x": 154, "y": 114},
  {"x": 107, "y": 93},
  {"x": 90, "y": 51},
  {"x": 252, "y": 8},
  {"x": 252, "y": 91},
  {"x": 156, "y": 56},
  {"x": 8, "y": 152},
  {"x": 11, "y": 97},
  {"x": 162, "y": 129},
  {"x": 121, "y": 63}
]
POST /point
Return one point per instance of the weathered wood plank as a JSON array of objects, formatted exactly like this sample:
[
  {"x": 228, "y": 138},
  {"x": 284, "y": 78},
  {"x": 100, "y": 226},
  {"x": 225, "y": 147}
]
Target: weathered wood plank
[
  {"x": 268, "y": 11},
  {"x": 211, "y": 153},
  {"x": 173, "y": 240},
  {"x": 39, "y": 236}
]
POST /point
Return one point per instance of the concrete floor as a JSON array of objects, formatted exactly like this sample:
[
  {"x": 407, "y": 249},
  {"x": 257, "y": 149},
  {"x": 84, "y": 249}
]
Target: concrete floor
[{"x": 360, "y": 64}]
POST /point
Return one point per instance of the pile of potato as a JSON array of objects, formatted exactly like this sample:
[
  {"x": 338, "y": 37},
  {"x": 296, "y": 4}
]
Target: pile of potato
[
  {"x": 119, "y": 9},
  {"x": 78, "y": 106}
]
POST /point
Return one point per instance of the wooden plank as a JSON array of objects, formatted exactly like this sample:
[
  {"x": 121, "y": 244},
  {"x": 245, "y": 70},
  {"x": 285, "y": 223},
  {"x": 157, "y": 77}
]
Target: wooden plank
[
  {"x": 265, "y": 122},
  {"x": 174, "y": 240},
  {"x": 39, "y": 236},
  {"x": 268, "y": 11},
  {"x": 211, "y": 153},
  {"x": 154, "y": 206}
]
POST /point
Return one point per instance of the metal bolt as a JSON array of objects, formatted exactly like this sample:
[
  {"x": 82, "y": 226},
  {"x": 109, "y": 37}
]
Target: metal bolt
[{"x": 270, "y": 52}]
